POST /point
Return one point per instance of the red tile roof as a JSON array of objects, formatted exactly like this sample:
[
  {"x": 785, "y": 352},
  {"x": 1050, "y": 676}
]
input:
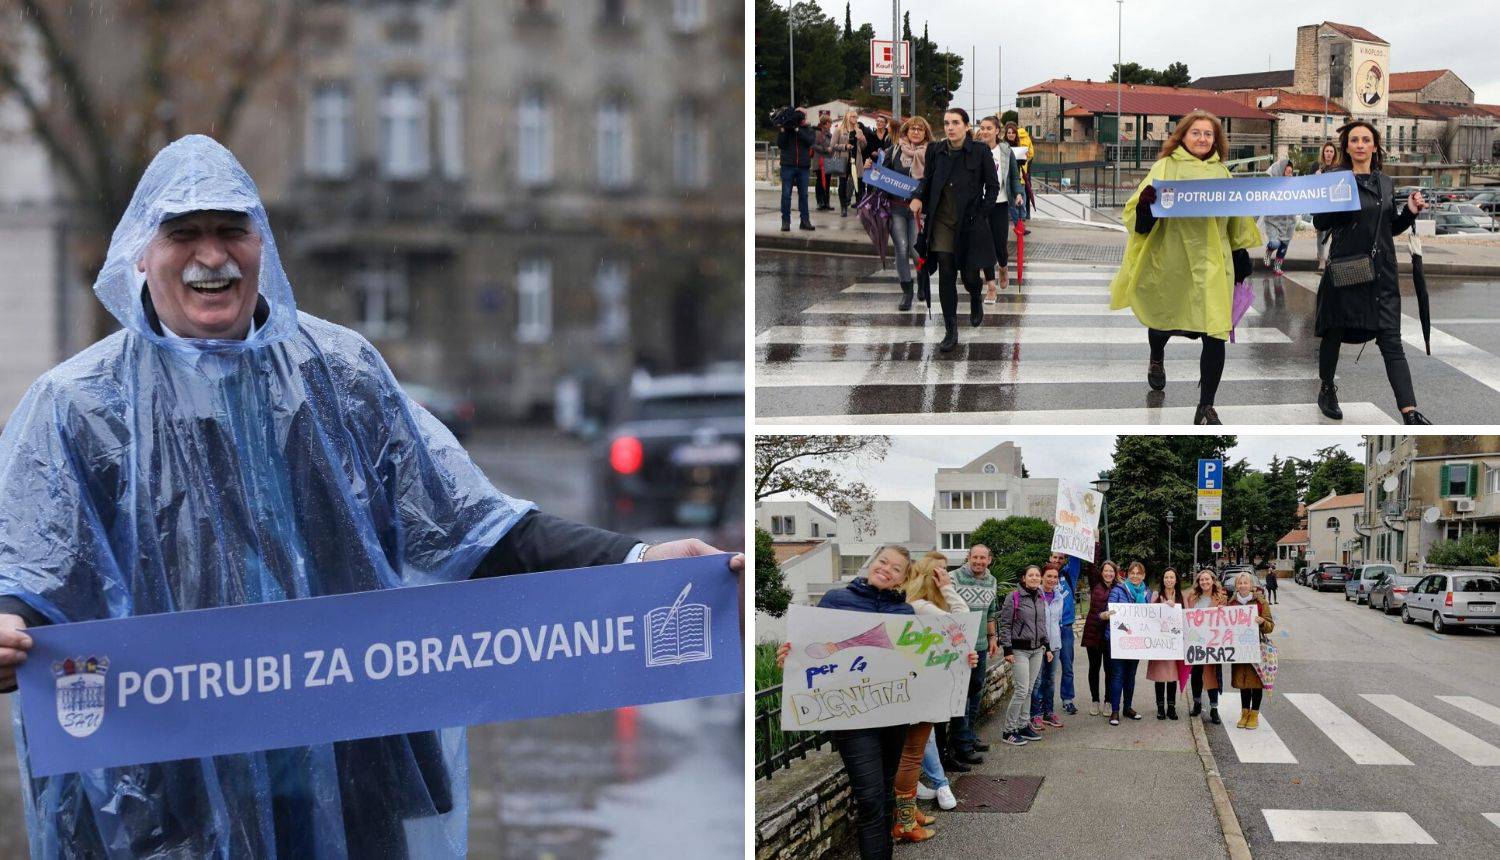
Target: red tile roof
[
  {"x": 1294, "y": 536},
  {"x": 1287, "y": 101},
  {"x": 1410, "y": 82},
  {"x": 1078, "y": 111},
  {"x": 1427, "y": 110},
  {"x": 1353, "y": 32},
  {"x": 1348, "y": 500},
  {"x": 1140, "y": 99},
  {"x": 1492, "y": 110}
]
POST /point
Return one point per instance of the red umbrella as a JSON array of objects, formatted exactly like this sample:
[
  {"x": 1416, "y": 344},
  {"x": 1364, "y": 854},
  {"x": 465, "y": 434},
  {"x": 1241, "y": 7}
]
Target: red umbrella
[{"x": 1020, "y": 249}]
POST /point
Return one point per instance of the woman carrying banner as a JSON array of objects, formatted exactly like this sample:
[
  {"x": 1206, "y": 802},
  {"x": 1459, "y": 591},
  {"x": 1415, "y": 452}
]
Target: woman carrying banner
[
  {"x": 871, "y": 756},
  {"x": 1279, "y": 228},
  {"x": 1246, "y": 676},
  {"x": 1359, "y": 296},
  {"x": 1206, "y": 593},
  {"x": 1165, "y": 674},
  {"x": 906, "y": 155},
  {"x": 1178, "y": 275},
  {"x": 1024, "y": 638},
  {"x": 1328, "y": 160},
  {"x": 1056, "y": 594},
  {"x": 1011, "y": 193},
  {"x": 957, "y": 192},
  {"x": 1122, "y": 672},
  {"x": 1096, "y": 630}
]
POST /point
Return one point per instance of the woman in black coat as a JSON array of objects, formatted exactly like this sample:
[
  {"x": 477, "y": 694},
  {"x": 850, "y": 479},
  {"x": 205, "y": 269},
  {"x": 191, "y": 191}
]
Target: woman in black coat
[
  {"x": 959, "y": 187},
  {"x": 1361, "y": 312}
]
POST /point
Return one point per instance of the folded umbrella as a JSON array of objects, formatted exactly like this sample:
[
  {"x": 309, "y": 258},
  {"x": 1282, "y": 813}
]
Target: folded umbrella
[
  {"x": 1020, "y": 249},
  {"x": 1419, "y": 283},
  {"x": 875, "y": 215},
  {"x": 1243, "y": 299}
]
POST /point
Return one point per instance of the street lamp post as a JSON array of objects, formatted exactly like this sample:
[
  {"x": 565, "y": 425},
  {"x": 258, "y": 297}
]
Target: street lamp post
[
  {"x": 1170, "y": 518},
  {"x": 1119, "y": 89},
  {"x": 1336, "y": 558},
  {"x": 791, "y": 51},
  {"x": 1102, "y": 485}
]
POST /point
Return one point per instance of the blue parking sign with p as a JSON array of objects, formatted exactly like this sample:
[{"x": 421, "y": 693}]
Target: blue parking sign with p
[{"x": 1210, "y": 474}]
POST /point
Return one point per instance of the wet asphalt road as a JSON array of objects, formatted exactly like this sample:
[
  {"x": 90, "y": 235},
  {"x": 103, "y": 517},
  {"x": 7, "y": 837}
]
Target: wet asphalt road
[{"x": 816, "y": 355}]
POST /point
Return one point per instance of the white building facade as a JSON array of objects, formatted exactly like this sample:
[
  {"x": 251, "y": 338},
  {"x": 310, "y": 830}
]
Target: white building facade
[{"x": 991, "y": 486}]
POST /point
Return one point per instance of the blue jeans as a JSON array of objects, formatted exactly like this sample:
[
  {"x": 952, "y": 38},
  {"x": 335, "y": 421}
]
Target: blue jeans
[
  {"x": 1277, "y": 247},
  {"x": 1121, "y": 683},
  {"x": 903, "y": 242},
  {"x": 963, "y": 736},
  {"x": 932, "y": 764},
  {"x": 791, "y": 175},
  {"x": 1065, "y": 669},
  {"x": 1042, "y": 689}
]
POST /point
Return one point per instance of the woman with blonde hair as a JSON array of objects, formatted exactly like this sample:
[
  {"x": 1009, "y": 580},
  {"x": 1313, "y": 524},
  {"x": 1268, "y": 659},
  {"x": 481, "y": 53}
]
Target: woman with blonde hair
[
  {"x": 1178, "y": 275},
  {"x": 847, "y": 138},
  {"x": 1328, "y": 160},
  {"x": 1206, "y": 593},
  {"x": 1246, "y": 676}
]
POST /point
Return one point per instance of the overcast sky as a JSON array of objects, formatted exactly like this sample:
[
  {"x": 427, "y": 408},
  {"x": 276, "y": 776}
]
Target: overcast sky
[
  {"x": 907, "y": 473},
  {"x": 1044, "y": 40}
]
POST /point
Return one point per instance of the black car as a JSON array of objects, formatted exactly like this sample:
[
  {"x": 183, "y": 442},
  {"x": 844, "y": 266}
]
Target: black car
[
  {"x": 1331, "y": 578},
  {"x": 671, "y": 464}
]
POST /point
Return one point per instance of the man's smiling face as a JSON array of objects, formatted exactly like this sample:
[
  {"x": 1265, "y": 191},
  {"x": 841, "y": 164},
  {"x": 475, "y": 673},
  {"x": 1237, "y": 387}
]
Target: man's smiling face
[{"x": 203, "y": 271}]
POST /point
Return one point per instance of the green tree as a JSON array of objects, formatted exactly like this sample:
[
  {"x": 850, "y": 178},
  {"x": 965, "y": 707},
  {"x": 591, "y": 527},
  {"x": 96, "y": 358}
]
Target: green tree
[
  {"x": 1282, "y": 496},
  {"x": 805, "y": 465},
  {"x": 771, "y": 594},
  {"x": 1332, "y": 470},
  {"x": 1147, "y": 479},
  {"x": 1014, "y": 543},
  {"x": 818, "y": 56},
  {"x": 1009, "y": 116},
  {"x": 1477, "y": 548},
  {"x": 1174, "y": 75}
]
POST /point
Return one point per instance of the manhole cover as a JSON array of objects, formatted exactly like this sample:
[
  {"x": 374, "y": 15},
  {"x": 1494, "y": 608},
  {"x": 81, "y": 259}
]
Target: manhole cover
[{"x": 977, "y": 793}]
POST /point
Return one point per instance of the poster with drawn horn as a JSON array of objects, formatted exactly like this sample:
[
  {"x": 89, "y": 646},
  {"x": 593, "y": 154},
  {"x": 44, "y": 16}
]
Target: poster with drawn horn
[
  {"x": 1077, "y": 522},
  {"x": 859, "y": 670}
]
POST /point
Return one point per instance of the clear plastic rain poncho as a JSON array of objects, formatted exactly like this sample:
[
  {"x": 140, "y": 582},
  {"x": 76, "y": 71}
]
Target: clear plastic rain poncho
[{"x": 153, "y": 474}]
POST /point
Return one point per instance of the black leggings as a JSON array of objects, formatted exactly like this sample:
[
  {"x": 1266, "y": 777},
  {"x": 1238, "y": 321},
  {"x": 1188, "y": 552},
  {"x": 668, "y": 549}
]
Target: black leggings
[
  {"x": 1251, "y": 698},
  {"x": 1210, "y": 363},
  {"x": 870, "y": 758},
  {"x": 1096, "y": 663},
  {"x": 999, "y": 227},
  {"x": 1396, "y": 369},
  {"x": 1197, "y": 682},
  {"x": 948, "y": 283},
  {"x": 1166, "y": 693}
]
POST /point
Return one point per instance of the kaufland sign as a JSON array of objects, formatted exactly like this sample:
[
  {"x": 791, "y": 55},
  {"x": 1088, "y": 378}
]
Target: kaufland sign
[{"x": 882, "y": 61}]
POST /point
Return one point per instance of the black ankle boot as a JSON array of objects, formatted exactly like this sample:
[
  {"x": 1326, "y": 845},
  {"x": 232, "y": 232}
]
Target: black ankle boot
[
  {"x": 1172, "y": 711},
  {"x": 786, "y": 226},
  {"x": 1161, "y": 711},
  {"x": 1156, "y": 375},
  {"x": 1197, "y": 708},
  {"x": 806, "y": 225},
  {"x": 976, "y": 309},
  {"x": 1414, "y": 417},
  {"x": 1328, "y": 401},
  {"x": 906, "y": 296},
  {"x": 1213, "y": 714},
  {"x": 950, "y": 333},
  {"x": 1206, "y": 414}
]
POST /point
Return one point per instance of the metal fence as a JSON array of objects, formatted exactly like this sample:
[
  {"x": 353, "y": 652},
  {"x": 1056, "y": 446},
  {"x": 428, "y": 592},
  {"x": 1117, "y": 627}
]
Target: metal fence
[{"x": 774, "y": 748}]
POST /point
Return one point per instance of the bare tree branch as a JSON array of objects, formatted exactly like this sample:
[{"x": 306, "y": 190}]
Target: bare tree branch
[{"x": 10, "y": 82}]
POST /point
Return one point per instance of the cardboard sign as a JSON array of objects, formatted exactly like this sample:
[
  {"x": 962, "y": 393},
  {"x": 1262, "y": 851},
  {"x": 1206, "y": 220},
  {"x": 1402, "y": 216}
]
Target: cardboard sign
[
  {"x": 1263, "y": 195},
  {"x": 858, "y": 670},
  {"x": 1077, "y": 528},
  {"x": 183, "y": 685},
  {"x": 1222, "y": 634},
  {"x": 1145, "y": 631}
]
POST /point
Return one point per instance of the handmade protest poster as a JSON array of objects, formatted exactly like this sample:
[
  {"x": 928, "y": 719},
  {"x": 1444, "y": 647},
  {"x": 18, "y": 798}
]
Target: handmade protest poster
[
  {"x": 858, "y": 670},
  {"x": 1222, "y": 634},
  {"x": 1077, "y": 528},
  {"x": 1261, "y": 195},
  {"x": 182, "y": 685},
  {"x": 1145, "y": 631}
]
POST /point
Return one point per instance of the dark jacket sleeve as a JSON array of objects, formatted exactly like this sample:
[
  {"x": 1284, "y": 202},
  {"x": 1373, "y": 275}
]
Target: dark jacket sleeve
[
  {"x": 1334, "y": 220},
  {"x": 990, "y": 189},
  {"x": 1013, "y": 179},
  {"x": 543, "y": 542},
  {"x": 1401, "y": 219},
  {"x": 12, "y": 605}
]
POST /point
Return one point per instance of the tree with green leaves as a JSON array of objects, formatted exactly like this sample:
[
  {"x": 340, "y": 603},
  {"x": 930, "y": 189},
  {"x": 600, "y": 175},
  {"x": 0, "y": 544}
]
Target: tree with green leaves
[
  {"x": 1147, "y": 479},
  {"x": 818, "y": 55},
  {"x": 1475, "y": 549},
  {"x": 1174, "y": 75},
  {"x": 1331, "y": 470},
  {"x": 1014, "y": 543},
  {"x": 771, "y": 594},
  {"x": 805, "y": 465}
]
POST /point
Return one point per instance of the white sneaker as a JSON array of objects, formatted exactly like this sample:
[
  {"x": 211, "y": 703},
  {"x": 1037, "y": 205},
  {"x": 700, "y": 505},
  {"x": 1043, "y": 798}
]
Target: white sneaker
[
  {"x": 925, "y": 793},
  {"x": 1093, "y": 709},
  {"x": 945, "y": 798}
]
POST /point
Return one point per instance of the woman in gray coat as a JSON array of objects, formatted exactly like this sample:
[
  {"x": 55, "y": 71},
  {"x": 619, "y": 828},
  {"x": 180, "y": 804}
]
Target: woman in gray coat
[{"x": 1024, "y": 637}]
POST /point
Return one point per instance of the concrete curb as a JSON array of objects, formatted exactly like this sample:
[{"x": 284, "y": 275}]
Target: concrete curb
[{"x": 1234, "y": 837}]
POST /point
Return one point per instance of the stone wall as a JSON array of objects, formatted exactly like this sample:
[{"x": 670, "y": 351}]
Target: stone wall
[{"x": 802, "y": 812}]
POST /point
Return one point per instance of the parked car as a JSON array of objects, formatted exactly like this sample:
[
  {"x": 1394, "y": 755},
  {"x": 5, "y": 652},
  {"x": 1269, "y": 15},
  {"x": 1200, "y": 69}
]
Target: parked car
[
  {"x": 1452, "y": 223},
  {"x": 1389, "y": 592},
  {"x": 1331, "y": 578},
  {"x": 1489, "y": 201},
  {"x": 1228, "y": 574},
  {"x": 1455, "y": 599},
  {"x": 1359, "y": 585},
  {"x": 456, "y": 413},
  {"x": 1309, "y": 574}
]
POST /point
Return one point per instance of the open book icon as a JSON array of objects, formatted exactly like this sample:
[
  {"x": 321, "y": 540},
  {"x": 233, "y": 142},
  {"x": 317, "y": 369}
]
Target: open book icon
[
  {"x": 678, "y": 633},
  {"x": 1341, "y": 192}
]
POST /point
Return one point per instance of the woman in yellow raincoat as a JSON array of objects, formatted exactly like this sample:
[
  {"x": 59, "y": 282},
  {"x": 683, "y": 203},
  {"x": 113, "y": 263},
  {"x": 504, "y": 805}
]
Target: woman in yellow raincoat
[{"x": 1179, "y": 273}]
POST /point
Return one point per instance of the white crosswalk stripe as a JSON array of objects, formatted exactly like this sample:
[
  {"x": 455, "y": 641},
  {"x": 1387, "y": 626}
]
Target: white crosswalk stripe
[
  {"x": 873, "y": 305},
  {"x": 808, "y": 335},
  {"x": 824, "y": 373},
  {"x": 1358, "y": 742},
  {"x": 1286, "y": 413},
  {"x": 1452, "y": 738},
  {"x": 1493, "y": 818},
  {"x": 1259, "y": 746},
  {"x": 1348, "y": 828},
  {"x": 1481, "y": 709}
]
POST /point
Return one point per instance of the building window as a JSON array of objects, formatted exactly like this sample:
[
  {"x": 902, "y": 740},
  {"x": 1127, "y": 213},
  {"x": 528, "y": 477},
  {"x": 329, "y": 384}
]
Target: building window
[
  {"x": 1457, "y": 480},
  {"x": 383, "y": 300},
  {"x": 328, "y": 138},
  {"x": 403, "y": 129},
  {"x": 955, "y": 540},
  {"x": 1333, "y": 523},
  {"x": 451, "y": 140},
  {"x": 849, "y": 566},
  {"x": 688, "y": 15},
  {"x": 1491, "y": 481},
  {"x": 990, "y": 469},
  {"x": 815, "y": 530},
  {"x": 534, "y": 127},
  {"x": 614, "y": 145},
  {"x": 534, "y": 291},
  {"x": 611, "y": 290},
  {"x": 690, "y": 149},
  {"x": 784, "y": 526}
]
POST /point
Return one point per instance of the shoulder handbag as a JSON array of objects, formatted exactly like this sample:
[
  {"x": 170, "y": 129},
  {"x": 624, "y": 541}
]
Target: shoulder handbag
[{"x": 1354, "y": 269}]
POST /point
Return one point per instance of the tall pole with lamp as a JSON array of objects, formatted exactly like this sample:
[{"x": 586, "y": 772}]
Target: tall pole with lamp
[
  {"x": 1102, "y": 485},
  {"x": 791, "y": 60},
  {"x": 1171, "y": 517},
  {"x": 1119, "y": 88}
]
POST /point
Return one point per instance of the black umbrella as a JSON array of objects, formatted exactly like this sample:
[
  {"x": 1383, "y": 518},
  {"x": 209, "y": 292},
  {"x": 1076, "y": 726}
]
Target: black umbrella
[{"x": 1419, "y": 283}]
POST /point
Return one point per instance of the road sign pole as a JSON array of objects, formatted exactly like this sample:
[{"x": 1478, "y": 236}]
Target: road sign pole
[
  {"x": 895, "y": 65},
  {"x": 1196, "y": 536}
]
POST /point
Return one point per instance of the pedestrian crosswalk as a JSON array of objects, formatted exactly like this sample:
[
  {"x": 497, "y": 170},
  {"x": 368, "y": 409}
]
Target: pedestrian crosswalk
[
  {"x": 1363, "y": 744},
  {"x": 1050, "y": 350},
  {"x": 1347, "y": 828}
]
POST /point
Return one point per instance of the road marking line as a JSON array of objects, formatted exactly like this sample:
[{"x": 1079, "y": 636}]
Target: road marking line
[
  {"x": 1357, "y": 742},
  {"x": 1021, "y": 371},
  {"x": 1284, "y": 413},
  {"x": 810, "y": 335},
  {"x": 1260, "y": 746},
  {"x": 1481, "y": 709},
  {"x": 1091, "y": 290},
  {"x": 1494, "y": 818},
  {"x": 1452, "y": 738},
  {"x": 861, "y": 303},
  {"x": 1349, "y": 828}
]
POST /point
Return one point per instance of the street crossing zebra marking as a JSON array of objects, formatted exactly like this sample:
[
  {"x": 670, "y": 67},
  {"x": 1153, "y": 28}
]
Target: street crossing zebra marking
[
  {"x": 1025, "y": 372},
  {"x": 1284, "y": 413},
  {"x": 1481, "y": 709},
  {"x": 872, "y": 305},
  {"x": 1348, "y": 828},
  {"x": 1452, "y": 738},
  {"x": 1259, "y": 746},
  {"x": 809, "y": 335},
  {"x": 1083, "y": 290},
  {"x": 1358, "y": 742},
  {"x": 1493, "y": 818}
]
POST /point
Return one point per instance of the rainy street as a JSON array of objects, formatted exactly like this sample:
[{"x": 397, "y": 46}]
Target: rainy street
[
  {"x": 586, "y": 786},
  {"x": 830, "y": 345}
]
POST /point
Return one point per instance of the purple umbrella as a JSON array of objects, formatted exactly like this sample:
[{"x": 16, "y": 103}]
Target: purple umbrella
[
  {"x": 875, "y": 215},
  {"x": 1243, "y": 299}
]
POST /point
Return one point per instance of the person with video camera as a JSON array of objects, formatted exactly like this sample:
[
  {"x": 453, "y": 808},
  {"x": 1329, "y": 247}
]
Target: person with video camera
[{"x": 795, "y": 140}]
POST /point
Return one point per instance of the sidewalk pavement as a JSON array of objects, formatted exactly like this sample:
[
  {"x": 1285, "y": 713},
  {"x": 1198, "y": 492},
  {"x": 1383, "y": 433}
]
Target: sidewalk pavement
[{"x": 1442, "y": 255}]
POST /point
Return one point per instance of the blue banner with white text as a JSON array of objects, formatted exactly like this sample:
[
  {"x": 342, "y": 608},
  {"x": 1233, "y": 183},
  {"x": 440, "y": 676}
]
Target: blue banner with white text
[
  {"x": 238, "y": 679},
  {"x": 1253, "y": 197}
]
